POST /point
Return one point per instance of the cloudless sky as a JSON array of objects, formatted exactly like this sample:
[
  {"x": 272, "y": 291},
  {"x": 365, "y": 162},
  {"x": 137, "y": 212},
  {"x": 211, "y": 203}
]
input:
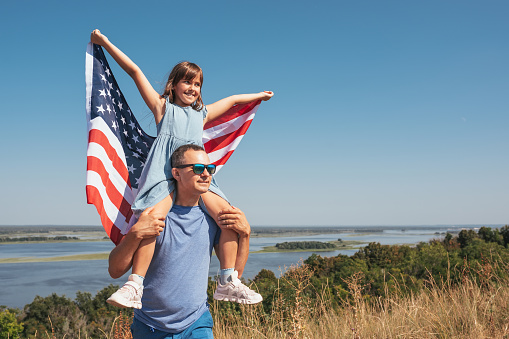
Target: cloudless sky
[{"x": 385, "y": 112}]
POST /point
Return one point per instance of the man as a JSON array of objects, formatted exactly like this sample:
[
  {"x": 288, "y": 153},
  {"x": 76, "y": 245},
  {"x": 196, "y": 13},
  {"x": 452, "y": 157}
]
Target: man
[{"x": 175, "y": 292}]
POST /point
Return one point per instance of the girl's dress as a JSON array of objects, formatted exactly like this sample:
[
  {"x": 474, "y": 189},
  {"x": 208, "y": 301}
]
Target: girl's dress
[{"x": 179, "y": 126}]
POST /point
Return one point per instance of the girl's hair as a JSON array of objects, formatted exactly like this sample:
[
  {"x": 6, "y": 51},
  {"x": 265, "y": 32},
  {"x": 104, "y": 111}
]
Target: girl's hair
[{"x": 188, "y": 71}]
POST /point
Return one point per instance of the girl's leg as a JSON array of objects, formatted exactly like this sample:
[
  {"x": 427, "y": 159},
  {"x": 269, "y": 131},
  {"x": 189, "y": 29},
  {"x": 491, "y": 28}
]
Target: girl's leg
[
  {"x": 229, "y": 288},
  {"x": 143, "y": 256},
  {"x": 229, "y": 239},
  {"x": 145, "y": 251}
]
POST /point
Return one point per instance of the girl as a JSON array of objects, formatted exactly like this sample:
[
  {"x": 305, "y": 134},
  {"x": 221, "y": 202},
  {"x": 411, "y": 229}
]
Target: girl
[{"x": 180, "y": 115}]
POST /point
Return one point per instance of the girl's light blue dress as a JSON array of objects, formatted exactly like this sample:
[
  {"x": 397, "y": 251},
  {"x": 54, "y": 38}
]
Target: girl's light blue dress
[{"x": 179, "y": 126}]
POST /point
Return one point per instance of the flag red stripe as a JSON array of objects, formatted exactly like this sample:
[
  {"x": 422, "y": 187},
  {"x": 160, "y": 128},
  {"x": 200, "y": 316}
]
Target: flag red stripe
[
  {"x": 115, "y": 235},
  {"x": 234, "y": 112},
  {"x": 94, "y": 197},
  {"x": 225, "y": 158},
  {"x": 96, "y": 165},
  {"x": 100, "y": 138},
  {"x": 225, "y": 140}
]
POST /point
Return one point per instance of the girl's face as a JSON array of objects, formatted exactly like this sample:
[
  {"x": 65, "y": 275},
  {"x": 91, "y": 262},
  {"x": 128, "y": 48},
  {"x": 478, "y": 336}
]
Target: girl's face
[{"x": 187, "y": 91}]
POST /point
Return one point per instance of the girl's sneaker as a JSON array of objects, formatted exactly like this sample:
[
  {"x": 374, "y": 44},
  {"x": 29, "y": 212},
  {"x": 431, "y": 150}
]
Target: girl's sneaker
[
  {"x": 128, "y": 295},
  {"x": 236, "y": 291}
]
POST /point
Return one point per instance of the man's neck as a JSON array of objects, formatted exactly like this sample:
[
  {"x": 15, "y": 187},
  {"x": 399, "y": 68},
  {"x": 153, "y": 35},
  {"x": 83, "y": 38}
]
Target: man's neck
[{"x": 187, "y": 200}]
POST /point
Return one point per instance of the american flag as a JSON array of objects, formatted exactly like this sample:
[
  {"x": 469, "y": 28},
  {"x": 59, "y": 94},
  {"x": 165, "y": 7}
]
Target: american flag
[{"x": 118, "y": 147}]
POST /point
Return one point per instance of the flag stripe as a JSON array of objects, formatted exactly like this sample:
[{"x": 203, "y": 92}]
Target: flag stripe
[
  {"x": 96, "y": 165},
  {"x": 94, "y": 197}
]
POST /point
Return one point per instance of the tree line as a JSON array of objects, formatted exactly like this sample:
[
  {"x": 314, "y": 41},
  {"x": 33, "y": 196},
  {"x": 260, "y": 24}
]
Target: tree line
[{"x": 304, "y": 245}]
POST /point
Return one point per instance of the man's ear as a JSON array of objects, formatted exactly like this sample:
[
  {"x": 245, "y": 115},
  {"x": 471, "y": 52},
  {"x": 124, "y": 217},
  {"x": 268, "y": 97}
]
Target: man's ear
[{"x": 175, "y": 173}]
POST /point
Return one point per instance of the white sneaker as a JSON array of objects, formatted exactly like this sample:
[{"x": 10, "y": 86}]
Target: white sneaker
[
  {"x": 128, "y": 295},
  {"x": 237, "y": 292}
]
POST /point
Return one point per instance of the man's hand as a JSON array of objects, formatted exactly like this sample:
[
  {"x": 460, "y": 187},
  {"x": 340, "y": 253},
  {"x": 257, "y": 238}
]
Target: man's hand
[
  {"x": 150, "y": 224},
  {"x": 234, "y": 219}
]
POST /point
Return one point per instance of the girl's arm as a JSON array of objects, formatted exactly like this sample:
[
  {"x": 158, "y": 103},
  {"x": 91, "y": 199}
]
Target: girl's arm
[
  {"x": 220, "y": 107},
  {"x": 153, "y": 100}
]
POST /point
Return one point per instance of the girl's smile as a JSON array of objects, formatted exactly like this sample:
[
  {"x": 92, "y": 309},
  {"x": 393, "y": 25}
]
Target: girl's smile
[{"x": 187, "y": 91}]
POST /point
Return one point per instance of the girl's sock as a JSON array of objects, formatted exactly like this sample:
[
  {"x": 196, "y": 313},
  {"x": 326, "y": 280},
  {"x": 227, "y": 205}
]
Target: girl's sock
[
  {"x": 225, "y": 275},
  {"x": 137, "y": 279}
]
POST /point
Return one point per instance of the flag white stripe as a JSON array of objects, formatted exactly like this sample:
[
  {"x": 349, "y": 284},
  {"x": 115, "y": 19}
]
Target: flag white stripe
[{"x": 89, "y": 62}]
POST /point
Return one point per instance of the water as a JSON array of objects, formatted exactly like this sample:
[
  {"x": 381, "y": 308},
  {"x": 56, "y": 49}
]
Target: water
[
  {"x": 47, "y": 250},
  {"x": 22, "y": 282}
]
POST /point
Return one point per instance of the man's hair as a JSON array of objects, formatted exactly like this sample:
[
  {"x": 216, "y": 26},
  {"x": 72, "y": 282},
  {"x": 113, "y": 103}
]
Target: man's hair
[{"x": 177, "y": 158}]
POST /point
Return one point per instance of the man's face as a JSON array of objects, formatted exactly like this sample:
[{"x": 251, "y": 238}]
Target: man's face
[{"x": 190, "y": 182}]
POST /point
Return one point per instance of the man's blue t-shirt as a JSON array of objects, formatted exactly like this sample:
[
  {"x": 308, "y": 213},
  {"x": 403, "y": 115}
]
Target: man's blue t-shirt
[{"x": 175, "y": 293}]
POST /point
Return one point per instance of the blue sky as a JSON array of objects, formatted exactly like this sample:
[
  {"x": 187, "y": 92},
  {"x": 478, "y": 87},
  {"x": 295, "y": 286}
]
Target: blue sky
[{"x": 385, "y": 112}]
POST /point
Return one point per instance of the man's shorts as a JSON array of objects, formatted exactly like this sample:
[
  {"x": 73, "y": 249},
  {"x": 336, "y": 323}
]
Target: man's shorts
[{"x": 201, "y": 328}]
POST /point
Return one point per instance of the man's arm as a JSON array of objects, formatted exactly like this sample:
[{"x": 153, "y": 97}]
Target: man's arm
[
  {"x": 121, "y": 257},
  {"x": 235, "y": 219}
]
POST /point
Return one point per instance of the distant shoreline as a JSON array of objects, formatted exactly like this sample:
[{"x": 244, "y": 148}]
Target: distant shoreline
[{"x": 97, "y": 233}]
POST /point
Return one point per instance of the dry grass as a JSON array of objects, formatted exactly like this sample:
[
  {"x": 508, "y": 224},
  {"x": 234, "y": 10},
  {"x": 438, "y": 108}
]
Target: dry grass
[
  {"x": 477, "y": 308},
  {"x": 121, "y": 329},
  {"x": 470, "y": 310}
]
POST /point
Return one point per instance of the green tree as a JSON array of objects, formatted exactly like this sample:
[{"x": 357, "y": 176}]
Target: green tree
[
  {"x": 99, "y": 314},
  {"x": 383, "y": 256},
  {"x": 54, "y": 314},
  {"x": 466, "y": 237},
  {"x": 504, "y": 232},
  {"x": 489, "y": 235},
  {"x": 9, "y": 326}
]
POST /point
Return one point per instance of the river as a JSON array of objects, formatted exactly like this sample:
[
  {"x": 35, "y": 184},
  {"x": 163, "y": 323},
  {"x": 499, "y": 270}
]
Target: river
[{"x": 21, "y": 282}]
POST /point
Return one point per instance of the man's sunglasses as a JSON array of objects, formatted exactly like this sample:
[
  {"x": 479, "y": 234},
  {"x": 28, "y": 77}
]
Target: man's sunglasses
[{"x": 199, "y": 168}]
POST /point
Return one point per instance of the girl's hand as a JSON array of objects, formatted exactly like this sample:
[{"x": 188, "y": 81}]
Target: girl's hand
[
  {"x": 149, "y": 225},
  {"x": 234, "y": 219},
  {"x": 96, "y": 37},
  {"x": 266, "y": 95}
]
